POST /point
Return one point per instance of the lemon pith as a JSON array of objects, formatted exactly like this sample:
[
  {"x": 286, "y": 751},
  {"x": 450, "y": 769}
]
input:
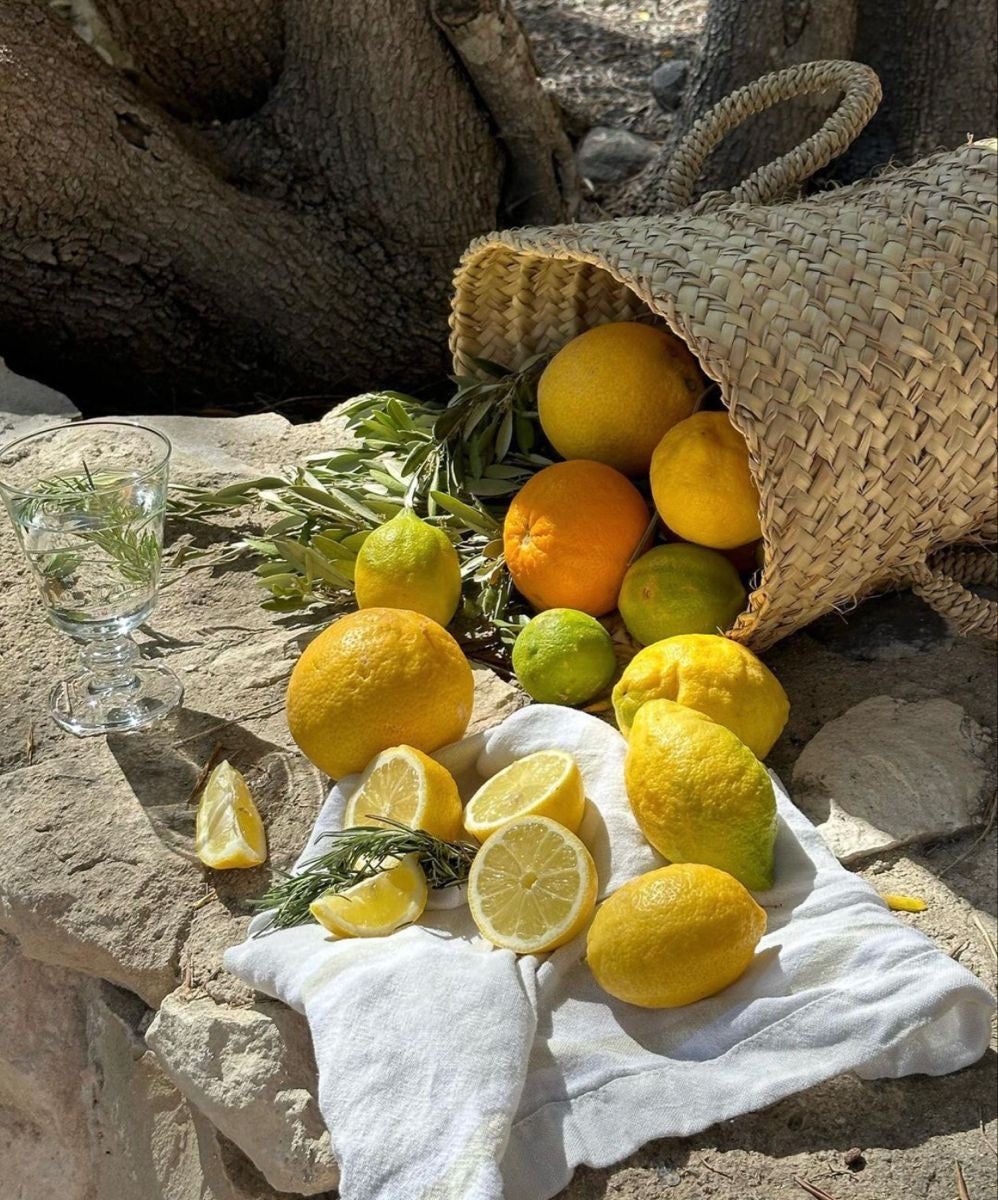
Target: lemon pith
[
  {"x": 377, "y": 906},
  {"x": 545, "y": 784},
  {"x": 532, "y": 886},
  {"x": 406, "y": 785}
]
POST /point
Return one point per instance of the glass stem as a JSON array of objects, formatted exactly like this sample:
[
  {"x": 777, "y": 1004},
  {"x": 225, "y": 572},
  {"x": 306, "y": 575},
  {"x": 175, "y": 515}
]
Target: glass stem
[{"x": 111, "y": 662}]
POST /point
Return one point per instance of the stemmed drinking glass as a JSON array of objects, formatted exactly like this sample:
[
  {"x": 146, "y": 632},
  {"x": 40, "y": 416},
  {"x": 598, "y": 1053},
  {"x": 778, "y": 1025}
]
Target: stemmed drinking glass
[{"x": 87, "y": 501}]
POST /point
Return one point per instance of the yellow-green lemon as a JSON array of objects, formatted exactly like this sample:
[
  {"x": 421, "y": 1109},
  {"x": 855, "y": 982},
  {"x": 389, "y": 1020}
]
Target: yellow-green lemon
[
  {"x": 713, "y": 675},
  {"x": 563, "y": 656},
  {"x": 679, "y": 588},
  {"x": 674, "y": 936},
  {"x": 409, "y": 564},
  {"x": 699, "y": 794}
]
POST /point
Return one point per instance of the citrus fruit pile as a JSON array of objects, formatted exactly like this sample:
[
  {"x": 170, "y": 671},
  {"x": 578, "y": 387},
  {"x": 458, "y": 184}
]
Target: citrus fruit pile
[
  {"x": 624, "y": 400},
  {"x": 381, "y": 689}
]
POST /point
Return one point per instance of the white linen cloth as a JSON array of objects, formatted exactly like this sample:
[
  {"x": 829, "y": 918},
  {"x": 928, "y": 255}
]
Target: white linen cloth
[{"x": 449, "y": 1070}]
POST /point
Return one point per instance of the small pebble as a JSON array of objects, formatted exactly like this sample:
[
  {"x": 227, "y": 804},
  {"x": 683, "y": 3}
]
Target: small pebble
[
  {"x": 668, "y": 82},
  {"x": 612, "y": 155},
  {"x": 854, "y": 1159}
]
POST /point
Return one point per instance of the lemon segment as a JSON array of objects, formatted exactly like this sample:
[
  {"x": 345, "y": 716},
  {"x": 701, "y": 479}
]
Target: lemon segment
[
  {"x": 408, "y": 786},
  {"x": 532, "y": 886},
  {"x": 377, "y": 906},
  {"x": 229, "y": 832},
  {"x": 544, "y": 784}
]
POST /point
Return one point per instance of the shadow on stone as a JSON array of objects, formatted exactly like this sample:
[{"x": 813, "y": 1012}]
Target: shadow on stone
[
  {"x": 883, "y": 629},
  {"x": 162, "y": 763}
]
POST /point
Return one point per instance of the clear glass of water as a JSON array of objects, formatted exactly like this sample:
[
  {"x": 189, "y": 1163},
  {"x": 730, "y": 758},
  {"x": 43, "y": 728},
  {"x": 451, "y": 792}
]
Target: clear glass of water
[{"x": 87, "y": 501}]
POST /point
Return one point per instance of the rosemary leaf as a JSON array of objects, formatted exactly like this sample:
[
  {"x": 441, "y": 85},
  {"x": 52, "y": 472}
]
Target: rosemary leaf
[{"x": 357, "y": 854}]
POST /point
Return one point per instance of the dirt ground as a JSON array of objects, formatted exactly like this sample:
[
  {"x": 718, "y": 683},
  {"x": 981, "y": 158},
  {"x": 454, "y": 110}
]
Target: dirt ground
[{"x": 596, "y": 58}]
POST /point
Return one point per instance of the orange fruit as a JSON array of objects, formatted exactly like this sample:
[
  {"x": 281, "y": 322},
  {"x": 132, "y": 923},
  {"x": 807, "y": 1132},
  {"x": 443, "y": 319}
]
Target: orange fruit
[
  {"x": 568, "y": 535},
  {"x": 613, "y": 392}
]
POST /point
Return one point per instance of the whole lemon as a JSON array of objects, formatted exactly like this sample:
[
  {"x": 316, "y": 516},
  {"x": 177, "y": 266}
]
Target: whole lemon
[
  {"x": 679, "y": 588},
  {"x": 568, "y": 534},
  {"x": 407, "y": 563},
  {"x": 611, "y": 393},
  {"x": 716, "y": 676},
  {"x": 376, "y": 678},
  {"x": 563, "y": 656},
  {"x": 701, "y": 483},
  {"x": 674, "y": 936},
  {"x": 699, "y": 794}
]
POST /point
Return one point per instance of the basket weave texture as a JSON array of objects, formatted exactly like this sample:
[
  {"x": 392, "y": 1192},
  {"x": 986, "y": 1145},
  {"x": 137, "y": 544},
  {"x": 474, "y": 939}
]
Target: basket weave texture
[{"x": 853, "y": 336}]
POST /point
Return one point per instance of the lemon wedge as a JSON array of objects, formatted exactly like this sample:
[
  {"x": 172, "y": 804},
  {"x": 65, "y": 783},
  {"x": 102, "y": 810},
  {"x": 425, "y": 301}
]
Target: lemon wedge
[
  {"x": 376, "y": 906},
  {"x": 532, "y": 886},
  {"x": 406, "y": 785},
  {"x": 229, "y": 832},
  {"x": 544, "y": 784}
]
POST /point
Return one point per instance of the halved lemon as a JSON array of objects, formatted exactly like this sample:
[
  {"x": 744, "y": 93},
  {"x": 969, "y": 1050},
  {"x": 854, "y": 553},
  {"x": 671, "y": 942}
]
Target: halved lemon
[
  {"x": 544, "y": 784},
  {"x": 408, "y": 786},
  {"x": 228, "y": 832},
  {"x": 376, "y": 906},
  {"x": 532, "y": 886}
]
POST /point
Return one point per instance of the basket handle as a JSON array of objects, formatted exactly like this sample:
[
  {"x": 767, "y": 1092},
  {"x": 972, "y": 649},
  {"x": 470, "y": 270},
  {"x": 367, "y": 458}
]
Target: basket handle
[
  {"x": 861, "y": 94},
  {"x": 939, "y": 582}
]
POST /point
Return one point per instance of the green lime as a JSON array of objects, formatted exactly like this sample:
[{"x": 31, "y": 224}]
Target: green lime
[
  {"x": 680, "y": 588},
  {"x": 563, "y": 656},
  {"x": 407, "y": 563}
]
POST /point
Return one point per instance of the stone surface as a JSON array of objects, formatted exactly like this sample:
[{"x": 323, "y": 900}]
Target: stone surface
[
  {"x": 86, "y": 1109},
  {"x": 91, "y": 887},
  {"x": 884, "y": 629},
  {"x": 251, "y": 1072},
  {"x": 25, "y": 397},
  {"x": 668, "y": 83},
  {"x": 890, "y": 772},
  {"x": 611, "y": 155}
]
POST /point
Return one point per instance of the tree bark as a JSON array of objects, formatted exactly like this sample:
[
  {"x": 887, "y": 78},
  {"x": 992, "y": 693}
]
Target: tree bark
[
  {"x": 743, "y": 41},
  {"x": 269, "y": 201},
  {"x": 936, "y": 59}
]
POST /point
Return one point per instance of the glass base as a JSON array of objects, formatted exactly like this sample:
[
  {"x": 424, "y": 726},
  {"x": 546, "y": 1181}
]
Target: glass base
[{"x": 89, "y": 703}]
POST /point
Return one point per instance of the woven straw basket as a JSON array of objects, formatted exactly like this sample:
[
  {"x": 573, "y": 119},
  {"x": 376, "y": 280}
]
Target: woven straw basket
[{"x": 853, "y": 336}]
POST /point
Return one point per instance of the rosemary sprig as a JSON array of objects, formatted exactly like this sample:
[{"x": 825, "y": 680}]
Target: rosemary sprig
[
  {"x": 357, "y": 854},
  {"x": 108, "y": 522}
]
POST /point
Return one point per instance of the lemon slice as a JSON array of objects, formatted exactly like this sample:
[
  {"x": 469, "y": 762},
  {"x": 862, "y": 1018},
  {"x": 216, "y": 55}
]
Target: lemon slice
[
  {"x": 376, "y": 906},
  {"x": 229, "y": 832},
  {"x": 545, "y": 784},
  {"x": 532, "y": 886},
  {"x": 408, "y": 786}
]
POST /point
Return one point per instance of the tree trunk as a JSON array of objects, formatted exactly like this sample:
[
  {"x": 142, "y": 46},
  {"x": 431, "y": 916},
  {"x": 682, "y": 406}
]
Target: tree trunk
[
  {"x": 743, "y": 41},
  {"x": 936, "y": 59},
  {"x": 229, "y": 221}
]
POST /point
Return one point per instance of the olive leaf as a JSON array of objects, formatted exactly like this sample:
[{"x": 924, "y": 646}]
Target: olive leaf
[{"x": 455, "y": 464}]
